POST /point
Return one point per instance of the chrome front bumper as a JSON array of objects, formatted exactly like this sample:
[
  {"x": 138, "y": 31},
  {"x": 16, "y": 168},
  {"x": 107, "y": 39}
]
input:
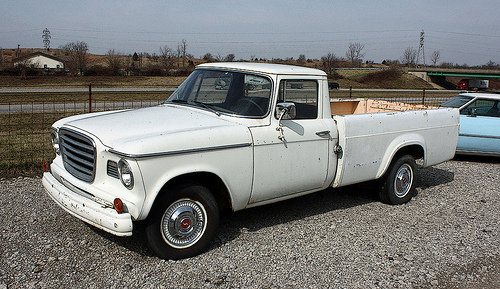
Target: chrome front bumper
[{"x": 87, "y": 210}]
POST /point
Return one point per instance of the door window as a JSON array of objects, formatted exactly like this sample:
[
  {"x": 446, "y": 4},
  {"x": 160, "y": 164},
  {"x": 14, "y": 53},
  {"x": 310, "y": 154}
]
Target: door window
[
  {"x": 304, "y": 94},
  {"x": 482, "y": 107}
]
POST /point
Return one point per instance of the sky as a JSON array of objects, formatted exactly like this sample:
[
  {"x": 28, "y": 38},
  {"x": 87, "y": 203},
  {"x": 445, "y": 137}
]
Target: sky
[{"x": 464, "y": 32}]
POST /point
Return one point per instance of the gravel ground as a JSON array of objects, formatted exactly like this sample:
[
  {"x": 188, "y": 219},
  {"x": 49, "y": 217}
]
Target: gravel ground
[{"x": 446, "y": 237}]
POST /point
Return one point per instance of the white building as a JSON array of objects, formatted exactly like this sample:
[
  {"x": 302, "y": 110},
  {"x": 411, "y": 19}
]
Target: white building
[{"x": 40, "y": 60}]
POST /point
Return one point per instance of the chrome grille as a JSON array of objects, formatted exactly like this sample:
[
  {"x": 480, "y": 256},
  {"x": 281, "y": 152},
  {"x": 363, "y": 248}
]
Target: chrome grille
[{"x": 78, "y": 153}]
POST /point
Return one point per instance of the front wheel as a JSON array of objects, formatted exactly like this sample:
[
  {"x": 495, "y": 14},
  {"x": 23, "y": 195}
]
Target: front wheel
[
  {"x": 399, "y": 184},
  {"x": 183, "y": 222}
]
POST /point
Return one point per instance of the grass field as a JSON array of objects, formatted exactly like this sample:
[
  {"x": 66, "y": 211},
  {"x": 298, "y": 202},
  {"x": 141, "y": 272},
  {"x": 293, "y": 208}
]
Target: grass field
[
  {"x": 84, "y": 81},
  {"x": 36, "y": 97}
]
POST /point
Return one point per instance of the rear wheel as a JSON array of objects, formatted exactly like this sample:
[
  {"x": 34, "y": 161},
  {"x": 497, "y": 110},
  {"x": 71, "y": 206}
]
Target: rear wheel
[
  {"x": 183, "y": 222},
  {"x": 399, "y": 184}
]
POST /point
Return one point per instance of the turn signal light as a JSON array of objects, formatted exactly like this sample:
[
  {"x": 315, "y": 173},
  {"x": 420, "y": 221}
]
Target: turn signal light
[{"x": 118, "y": 205}]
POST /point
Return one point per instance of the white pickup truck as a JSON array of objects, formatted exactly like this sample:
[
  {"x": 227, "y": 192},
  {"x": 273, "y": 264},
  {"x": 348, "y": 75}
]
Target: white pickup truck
[{"x": 234, "y": 136}]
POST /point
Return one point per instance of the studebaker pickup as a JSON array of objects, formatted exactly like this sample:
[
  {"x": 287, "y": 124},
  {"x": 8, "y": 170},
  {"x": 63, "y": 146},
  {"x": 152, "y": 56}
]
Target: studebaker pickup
[{"x": 234, "y": 136}]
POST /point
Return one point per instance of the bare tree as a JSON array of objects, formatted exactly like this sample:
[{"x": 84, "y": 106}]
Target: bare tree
[
  {"x": 354, "y": 53},
  {"x": 114, "y": 61},
  {"x": 167, "y": 57},
  {"x": 219, "y": 58},
  {"x": 409, "y": 57},
  {"x": 78, "y": 52},
  {"x": 182, "y": 51},
  {"x": 491, "y": 65},
  {"x": 208, "y": 57},
  {"x": 229, "y": 58},
  {"x": 435, "y": 57},
  {"x": 302, "y": 59},
  {"x": 329, "y": 63}
]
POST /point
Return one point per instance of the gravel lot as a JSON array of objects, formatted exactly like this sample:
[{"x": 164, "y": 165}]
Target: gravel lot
[{"x": 446, "y": 237}]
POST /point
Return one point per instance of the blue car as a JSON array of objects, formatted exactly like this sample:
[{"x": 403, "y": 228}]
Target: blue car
[{"x": 479, "y": 123}]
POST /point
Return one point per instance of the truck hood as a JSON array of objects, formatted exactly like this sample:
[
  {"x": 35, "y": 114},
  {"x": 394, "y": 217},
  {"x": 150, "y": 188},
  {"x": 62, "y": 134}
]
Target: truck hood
[{"x": 161, "y": 129}]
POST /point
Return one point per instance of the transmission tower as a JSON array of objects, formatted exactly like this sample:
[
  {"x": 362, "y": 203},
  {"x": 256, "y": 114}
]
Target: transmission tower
[
  {"x": 421, "y": 48},
  {"x": 46, "y": 39}
]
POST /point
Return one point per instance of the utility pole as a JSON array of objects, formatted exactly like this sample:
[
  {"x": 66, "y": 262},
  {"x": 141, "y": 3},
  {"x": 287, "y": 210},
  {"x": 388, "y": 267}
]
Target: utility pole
[
  {"x": 46, "y": 39},
  {"x": 421, "y": 48}
]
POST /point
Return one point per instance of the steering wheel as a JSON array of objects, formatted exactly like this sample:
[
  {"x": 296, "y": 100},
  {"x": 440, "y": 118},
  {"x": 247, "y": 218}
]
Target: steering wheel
[{"x": 253, "y": 103}]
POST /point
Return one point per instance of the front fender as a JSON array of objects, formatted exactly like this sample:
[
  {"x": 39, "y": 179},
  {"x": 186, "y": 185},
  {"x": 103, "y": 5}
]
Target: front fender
[{"x": 233, "y": 166}]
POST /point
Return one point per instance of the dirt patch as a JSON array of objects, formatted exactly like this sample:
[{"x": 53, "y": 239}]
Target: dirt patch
[
  {"x": 381, "y": 78},
  {"x": 392, "y": 79},
  {"x": 494, "y": 84}
]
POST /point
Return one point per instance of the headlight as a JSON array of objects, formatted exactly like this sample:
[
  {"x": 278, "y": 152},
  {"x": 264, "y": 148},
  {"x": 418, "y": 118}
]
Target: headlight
[
  {"x": 126, "y": 175},
  {"x": 55, "y": 141}
]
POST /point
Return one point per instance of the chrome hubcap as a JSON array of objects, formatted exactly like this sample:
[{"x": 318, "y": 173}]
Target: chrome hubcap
[
  {"x": 183, "y": 223},
  {"x": 403, "y": 180}
]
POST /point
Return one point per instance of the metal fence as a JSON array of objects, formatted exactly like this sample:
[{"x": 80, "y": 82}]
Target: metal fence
[{"x": 25, "y": 125}]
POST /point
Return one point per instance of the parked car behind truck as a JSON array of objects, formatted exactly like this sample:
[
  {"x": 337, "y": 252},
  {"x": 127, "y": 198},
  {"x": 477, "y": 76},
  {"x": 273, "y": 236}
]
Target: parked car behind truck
[
  {"x": 479, "y": 123},
  {"x": 206, "y": 149}
]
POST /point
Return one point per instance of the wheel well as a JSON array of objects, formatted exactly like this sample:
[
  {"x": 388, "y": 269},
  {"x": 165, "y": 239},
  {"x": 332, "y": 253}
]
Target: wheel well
[
  {"x": 416, "y": 151},
  {"x": 209, "y": 180}
]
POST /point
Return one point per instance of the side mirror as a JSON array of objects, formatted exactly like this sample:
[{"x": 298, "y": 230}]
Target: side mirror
[
  {"x": 286, "y": 110},
  {"x": 473, "y": 112}
]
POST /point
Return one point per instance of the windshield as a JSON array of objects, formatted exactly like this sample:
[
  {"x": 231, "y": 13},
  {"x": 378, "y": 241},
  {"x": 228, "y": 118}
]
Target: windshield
[
  {"x": 222, "y": 91},
  {"x": 457, "y": 101}
]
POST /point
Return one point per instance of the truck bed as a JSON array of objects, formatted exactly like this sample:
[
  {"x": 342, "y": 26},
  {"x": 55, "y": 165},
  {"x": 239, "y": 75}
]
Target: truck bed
[
  {"x": 363, "y": 105},
  {"x": 371, "y": 131}
]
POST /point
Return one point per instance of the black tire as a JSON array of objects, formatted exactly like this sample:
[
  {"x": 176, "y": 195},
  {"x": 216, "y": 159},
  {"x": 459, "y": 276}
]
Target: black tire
[
  {"x": 398, "y": 185},
  {"x": 183, "y": 222}
]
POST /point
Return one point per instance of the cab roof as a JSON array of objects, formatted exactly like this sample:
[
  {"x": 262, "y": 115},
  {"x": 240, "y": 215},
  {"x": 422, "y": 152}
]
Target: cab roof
[
  {"x": 265, "y": 68},
  {"x": 491, "y": 96}
]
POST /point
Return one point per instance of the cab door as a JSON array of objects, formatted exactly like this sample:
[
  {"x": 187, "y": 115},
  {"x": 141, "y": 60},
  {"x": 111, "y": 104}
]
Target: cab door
[
  {"x": 479, "y": 128},
  {"x": 298, "y": 160}
]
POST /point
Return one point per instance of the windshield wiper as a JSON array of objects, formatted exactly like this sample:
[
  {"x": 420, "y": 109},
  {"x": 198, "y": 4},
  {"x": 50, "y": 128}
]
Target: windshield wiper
[
  {"x": 197, "y": 103},
  {"x": 207, "y": 107}
]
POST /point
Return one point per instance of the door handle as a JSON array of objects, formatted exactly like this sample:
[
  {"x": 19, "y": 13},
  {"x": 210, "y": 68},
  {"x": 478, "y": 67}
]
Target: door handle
[{"x": 323, "y": 133}]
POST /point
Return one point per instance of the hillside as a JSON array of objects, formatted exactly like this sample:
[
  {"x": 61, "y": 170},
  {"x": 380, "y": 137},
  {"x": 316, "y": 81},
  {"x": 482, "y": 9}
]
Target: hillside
[{"x": 388, "y": 79}]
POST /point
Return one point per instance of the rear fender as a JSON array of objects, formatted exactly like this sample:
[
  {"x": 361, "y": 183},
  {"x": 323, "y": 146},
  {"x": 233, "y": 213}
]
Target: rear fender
[{"x": 410, "y": 143}]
